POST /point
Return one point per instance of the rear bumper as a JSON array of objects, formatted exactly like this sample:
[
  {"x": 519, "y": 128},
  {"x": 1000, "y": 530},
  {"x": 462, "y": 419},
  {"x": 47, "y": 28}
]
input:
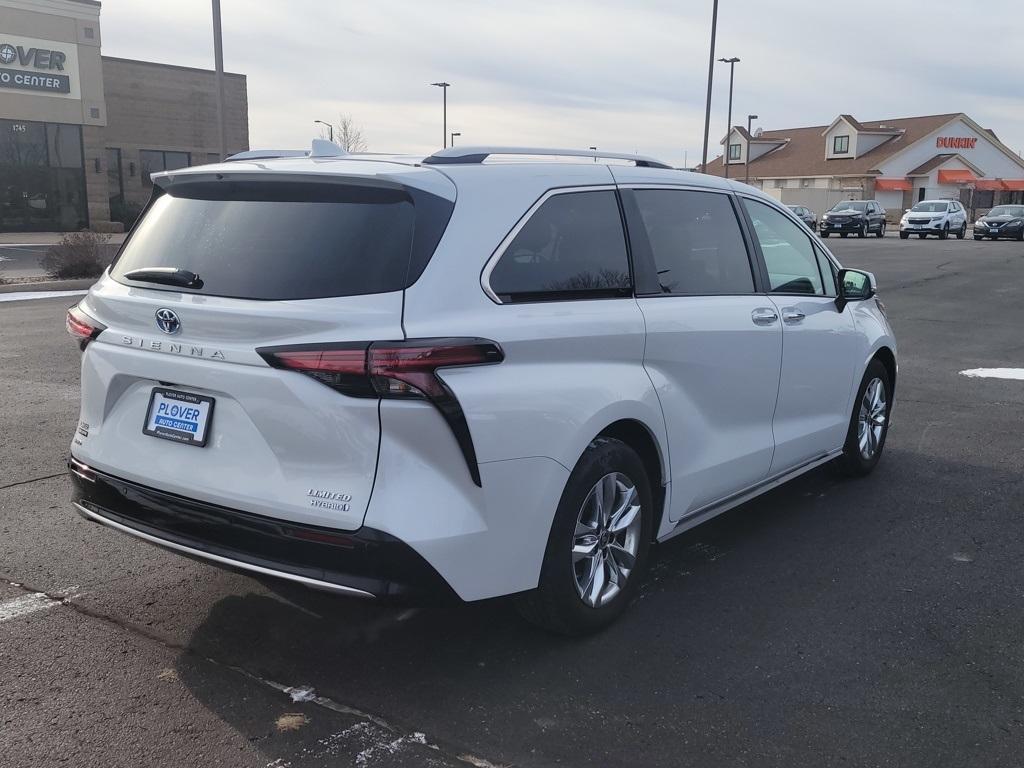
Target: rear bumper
[{"x": 363, "y": 563}]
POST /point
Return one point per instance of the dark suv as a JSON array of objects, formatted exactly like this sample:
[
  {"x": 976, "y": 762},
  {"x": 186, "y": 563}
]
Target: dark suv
[{"x": 854, "y": 217}]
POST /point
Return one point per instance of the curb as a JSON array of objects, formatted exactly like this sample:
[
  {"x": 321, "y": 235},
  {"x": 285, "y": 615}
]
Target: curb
[{"x": 49, "y": 285}]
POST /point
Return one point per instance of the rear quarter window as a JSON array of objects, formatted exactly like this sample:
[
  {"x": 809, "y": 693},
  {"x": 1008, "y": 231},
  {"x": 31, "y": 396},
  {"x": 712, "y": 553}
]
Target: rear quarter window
[
  {"x": 572, "y": 247},
  {"x": 287, "y": 241}
]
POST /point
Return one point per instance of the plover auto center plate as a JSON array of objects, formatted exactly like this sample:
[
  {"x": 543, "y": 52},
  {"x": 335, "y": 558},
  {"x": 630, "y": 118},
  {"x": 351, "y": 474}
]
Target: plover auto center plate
[{"x": 180, "y": 416}]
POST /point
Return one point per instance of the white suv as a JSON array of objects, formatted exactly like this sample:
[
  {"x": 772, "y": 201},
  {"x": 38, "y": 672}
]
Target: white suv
[
  {"x": 383, "y": 375},
  {"x": 934, "y": 217}
]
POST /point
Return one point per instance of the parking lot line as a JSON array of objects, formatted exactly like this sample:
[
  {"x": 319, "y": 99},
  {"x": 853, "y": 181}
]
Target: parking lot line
[
  {"x": 994, "y": 373},
  {"x": 26, "y": 295}
]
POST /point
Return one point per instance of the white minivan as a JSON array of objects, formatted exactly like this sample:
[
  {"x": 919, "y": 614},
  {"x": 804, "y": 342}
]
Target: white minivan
[{"x": 485, "y": 372}]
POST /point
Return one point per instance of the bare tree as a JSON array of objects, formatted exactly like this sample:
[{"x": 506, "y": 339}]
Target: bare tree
[{"x": 348, "y": 135}]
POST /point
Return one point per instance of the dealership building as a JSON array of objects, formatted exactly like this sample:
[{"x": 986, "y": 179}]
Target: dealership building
[
  {"x": 897, "y": 162},
  {"x": 80, "y": 132}
]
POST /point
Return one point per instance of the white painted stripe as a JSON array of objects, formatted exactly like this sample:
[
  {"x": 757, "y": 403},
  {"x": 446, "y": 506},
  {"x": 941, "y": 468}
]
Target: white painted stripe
[
  {"x": 25, "y": 605},
  {"x": 995, "y": 373},
  {"x": 26, "y": 295}
]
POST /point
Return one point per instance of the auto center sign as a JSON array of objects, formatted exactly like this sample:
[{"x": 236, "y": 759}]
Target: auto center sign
[
  {"x": 956, "y": 142},
  {"x": 39, "y": 66}
]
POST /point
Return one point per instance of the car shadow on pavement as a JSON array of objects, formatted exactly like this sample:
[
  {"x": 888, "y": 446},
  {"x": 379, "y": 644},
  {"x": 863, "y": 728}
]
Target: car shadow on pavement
[{"x": 789, "y": 612}]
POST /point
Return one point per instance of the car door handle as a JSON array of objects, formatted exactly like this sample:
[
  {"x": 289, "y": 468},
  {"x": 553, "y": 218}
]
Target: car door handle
[
  {"x": 790, "y": 315},
  {"x": 764, "y": 316}
]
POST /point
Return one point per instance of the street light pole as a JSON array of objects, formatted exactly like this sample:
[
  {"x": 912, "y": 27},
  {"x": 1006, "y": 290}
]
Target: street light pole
[
  {"x": 746, "y": 157},
  {"x": 330, "y": 128},
  {"x": 711, "y": 75},
  {"x": 453, "y": 135},
  {"x": 732, "y": 67},
  {"x": 444, "y": 131},
  {"x": 595, "y": 151},
  {"x": 218, "y": 62}
]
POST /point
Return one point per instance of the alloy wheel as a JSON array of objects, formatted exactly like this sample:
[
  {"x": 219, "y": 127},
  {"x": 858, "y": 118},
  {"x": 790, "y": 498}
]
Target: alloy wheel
[
  {"x": 871, "y": 419},
  {"x": 606, "y": 540}
]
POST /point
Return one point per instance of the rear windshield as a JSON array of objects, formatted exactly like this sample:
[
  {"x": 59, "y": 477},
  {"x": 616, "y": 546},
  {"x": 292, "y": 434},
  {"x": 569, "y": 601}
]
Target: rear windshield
[{"x": 287, "y": 240}]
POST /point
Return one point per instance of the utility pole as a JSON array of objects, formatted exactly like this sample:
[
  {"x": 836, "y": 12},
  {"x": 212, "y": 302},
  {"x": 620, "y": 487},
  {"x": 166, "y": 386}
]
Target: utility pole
[
  {"x": 746, "y": 157},
  {"x": 444, "y": 130},
  {"x": 453, "y": 134},
  {"x": 711, "y": 75},
  {"x": 728, "y": 132},
  {"x": 218, "y": 57}
]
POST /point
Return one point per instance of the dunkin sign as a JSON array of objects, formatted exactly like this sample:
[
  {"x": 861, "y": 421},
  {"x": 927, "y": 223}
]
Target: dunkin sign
[{"x": 956, "y": 142}]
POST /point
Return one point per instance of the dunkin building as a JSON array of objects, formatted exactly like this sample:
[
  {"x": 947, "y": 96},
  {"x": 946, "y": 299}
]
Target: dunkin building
[
  {"x": 81, "y": 132},
  {"x": 897, "y": 162}
]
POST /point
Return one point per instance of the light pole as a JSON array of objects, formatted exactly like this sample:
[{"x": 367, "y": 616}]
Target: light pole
[
  {"x": 330, "y": 128},
  {"x": 728, "y": 132},
  {"x": 595, "y": 150},
  {"x": 444, "y": 89},
  {"x": 711, "y": 75},
  {"x": 746, "y": 158},
  {"x": 453, "y": 135},
  {"x": 218, "y": 63}
]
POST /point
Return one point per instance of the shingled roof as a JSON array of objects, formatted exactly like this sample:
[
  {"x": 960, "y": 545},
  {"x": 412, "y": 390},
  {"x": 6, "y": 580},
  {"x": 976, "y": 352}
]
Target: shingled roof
[{"x": 804, "y": 153}]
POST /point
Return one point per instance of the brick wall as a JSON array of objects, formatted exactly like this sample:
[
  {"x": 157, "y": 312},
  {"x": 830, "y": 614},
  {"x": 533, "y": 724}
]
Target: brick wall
[{"x": 162, "y": 107}]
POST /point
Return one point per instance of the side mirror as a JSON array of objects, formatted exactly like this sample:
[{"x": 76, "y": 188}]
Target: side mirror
[{"x": 855, "y": 285}]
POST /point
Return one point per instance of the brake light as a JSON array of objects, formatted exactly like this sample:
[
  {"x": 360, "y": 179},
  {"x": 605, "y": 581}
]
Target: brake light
[
  {"x": 82, "y": 327},
  {"x": 394, "y": 369}
]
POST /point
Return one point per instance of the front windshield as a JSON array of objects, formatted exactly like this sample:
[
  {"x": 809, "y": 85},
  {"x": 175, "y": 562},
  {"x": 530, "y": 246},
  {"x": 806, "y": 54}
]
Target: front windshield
[
  {"x": 934, "y": 207},
  {"x": 850, "y": 205},
  {"x": 1007, "y": 210}
]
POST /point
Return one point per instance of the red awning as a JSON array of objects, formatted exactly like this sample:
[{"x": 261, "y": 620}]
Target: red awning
[
  {"x": 990, "y": 185},
  {"x": 892, "y": 185},
  {"x": 1013, "y": 185},
  {"x": 956, "y": 176}
]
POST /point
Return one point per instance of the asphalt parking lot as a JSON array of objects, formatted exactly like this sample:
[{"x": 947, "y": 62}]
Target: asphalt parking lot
[{"x": 831, "y": 622}]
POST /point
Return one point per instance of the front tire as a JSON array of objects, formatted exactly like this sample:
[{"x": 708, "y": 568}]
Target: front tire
[
  {"x": 843, "y": 234},
  {"x": 962, "y": 232},
  {"x": 922, "y": 235},
  {"x": 944, "y": 233},
  {"x": 869, "y": 422},
  {"x": 904, "y": 235},
  {"x": 598, "y": 545},
  {"x": 863, "y": 231},
  {"x": 979, "y": 237},
  {"x": 881, "y": 230},
  {"x": 824, "y": 234}
]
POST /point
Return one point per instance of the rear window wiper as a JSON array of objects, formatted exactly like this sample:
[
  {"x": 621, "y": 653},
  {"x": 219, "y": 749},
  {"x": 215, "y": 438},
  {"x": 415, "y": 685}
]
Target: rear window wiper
[{"x": 166, "y": 276}]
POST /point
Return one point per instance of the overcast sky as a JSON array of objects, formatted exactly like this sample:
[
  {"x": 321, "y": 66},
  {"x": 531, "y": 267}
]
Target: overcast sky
[{"x": 628, "y": 75}]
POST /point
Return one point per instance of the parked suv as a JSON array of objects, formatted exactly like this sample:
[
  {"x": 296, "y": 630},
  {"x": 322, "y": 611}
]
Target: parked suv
[
  {"x": 934, "y": 217},
  {"x": 805, "y": 214},
  {"x": 857, "y": 217},
  {"x": 382, "y": 375}
]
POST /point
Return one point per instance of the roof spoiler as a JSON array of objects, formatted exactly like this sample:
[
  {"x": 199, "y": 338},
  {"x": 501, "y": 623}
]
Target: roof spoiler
[{"x": 318, "y": 148}]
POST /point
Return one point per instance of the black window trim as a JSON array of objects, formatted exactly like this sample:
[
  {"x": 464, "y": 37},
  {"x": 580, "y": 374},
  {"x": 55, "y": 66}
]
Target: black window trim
[
  {"x": 763, "y": 265},
  {"x": 547, "y": 298},
  {"x": 739, "y": 152},
  {"x": 835, "y": 144},
  {"x": 642, "y": 243}
]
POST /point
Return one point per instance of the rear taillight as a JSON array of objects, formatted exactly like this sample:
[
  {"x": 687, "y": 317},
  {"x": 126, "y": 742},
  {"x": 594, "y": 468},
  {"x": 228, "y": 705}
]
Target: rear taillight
[
  {"x": 394, "y": 369},
  {"x": 82, "y": 327}
]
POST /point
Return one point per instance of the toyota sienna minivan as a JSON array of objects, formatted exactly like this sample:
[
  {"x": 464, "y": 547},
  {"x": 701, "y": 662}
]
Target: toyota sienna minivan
[{"x": 386, "y": 376}]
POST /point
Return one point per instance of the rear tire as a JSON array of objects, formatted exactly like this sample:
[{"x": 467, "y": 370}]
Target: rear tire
[
  {"x": 583, "y": 591},
  {"x": 869, "y": 423}
]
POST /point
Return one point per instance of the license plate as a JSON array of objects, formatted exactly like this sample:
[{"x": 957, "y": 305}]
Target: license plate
[{"x": 179, "y": 416}]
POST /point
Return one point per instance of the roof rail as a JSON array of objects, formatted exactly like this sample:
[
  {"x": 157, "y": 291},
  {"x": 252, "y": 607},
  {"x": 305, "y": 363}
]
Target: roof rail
[{"x": 470, "y": 155}]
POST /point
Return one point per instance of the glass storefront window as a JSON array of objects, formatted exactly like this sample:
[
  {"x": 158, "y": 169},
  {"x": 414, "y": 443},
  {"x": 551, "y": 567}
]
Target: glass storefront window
[
  {"x": 156, "y": 160},
  {"x": 42, "y": 178}
]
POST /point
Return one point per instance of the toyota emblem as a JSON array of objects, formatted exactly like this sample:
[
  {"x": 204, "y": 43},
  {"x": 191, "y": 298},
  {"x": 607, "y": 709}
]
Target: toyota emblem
[{"x": 167, "y": 320}]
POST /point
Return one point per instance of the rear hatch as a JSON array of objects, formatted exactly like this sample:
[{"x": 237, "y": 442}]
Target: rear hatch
[{"x": 229, "y": 261}]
